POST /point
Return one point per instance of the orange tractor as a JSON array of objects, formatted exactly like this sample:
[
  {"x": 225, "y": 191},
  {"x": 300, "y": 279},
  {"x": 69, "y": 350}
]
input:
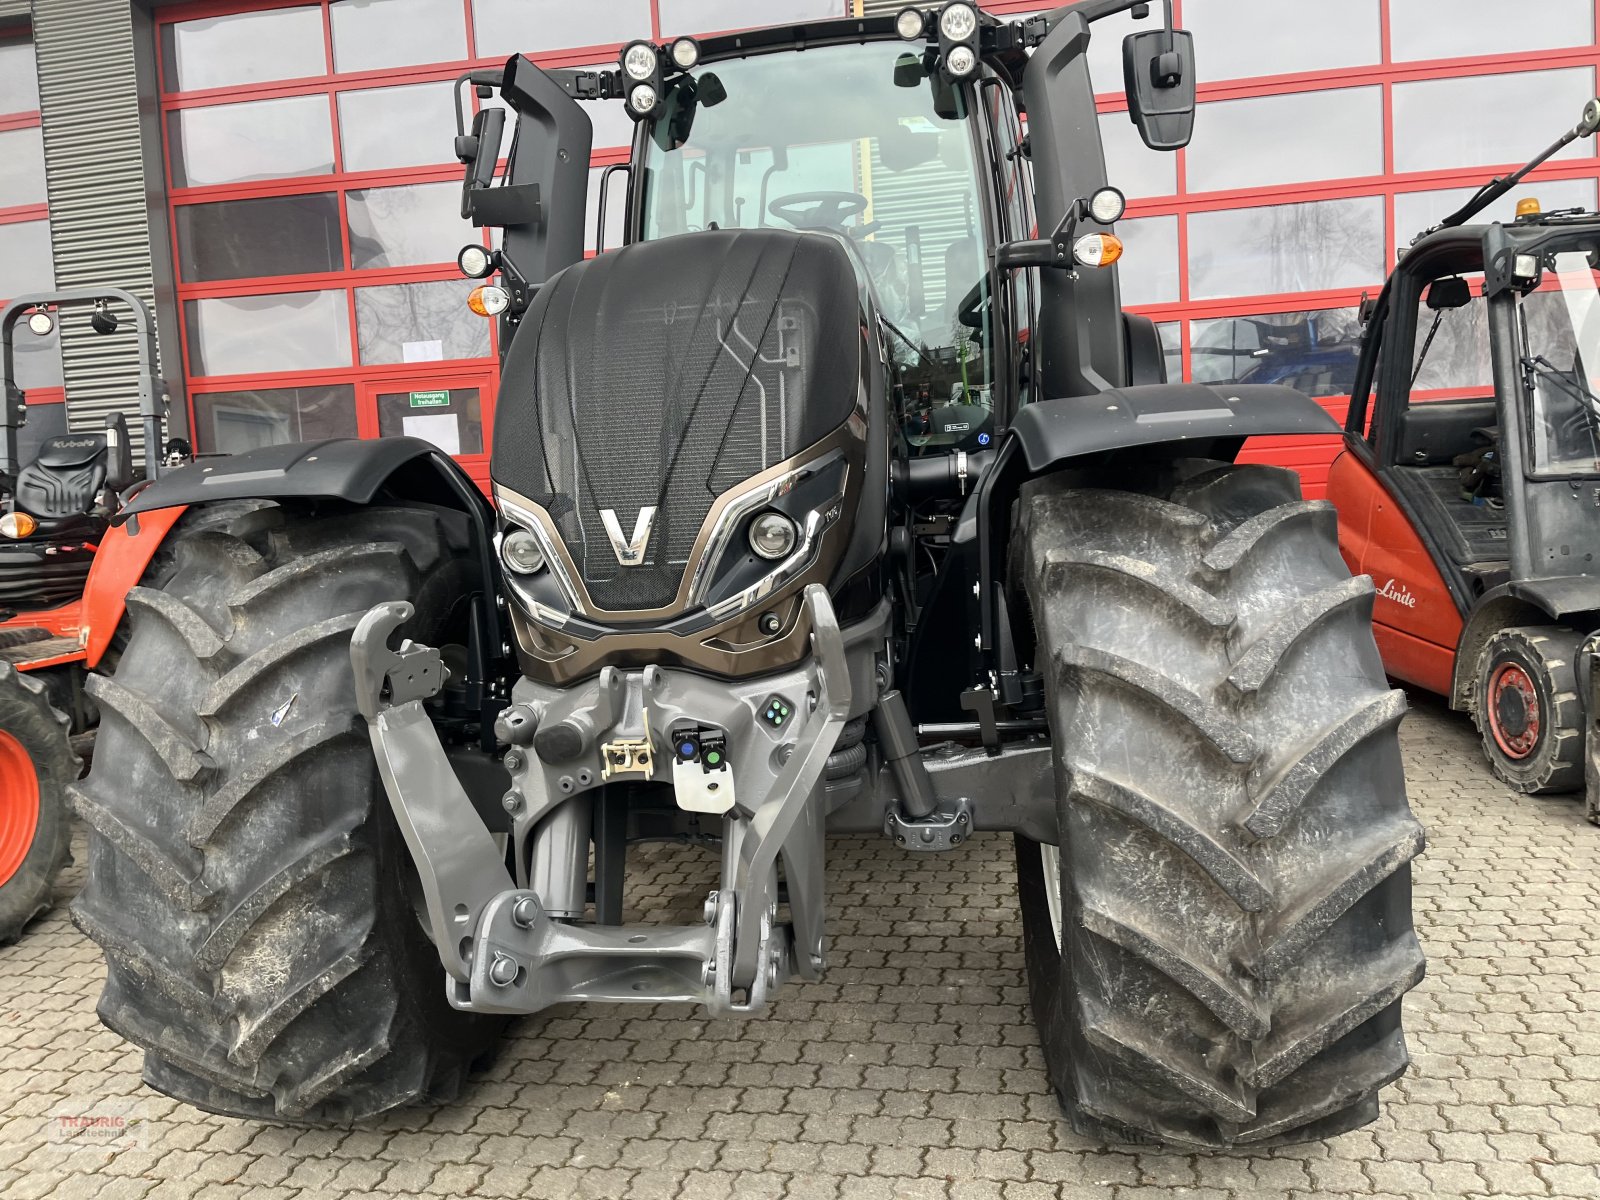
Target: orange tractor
[{"x": 54, "y": 512}]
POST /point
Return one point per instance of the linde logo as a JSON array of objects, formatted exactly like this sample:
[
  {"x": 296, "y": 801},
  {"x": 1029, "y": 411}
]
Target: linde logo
[{"x": 1399, "y": 593}]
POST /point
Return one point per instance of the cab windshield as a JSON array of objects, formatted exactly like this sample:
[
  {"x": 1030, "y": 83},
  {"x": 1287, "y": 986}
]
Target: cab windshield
[
  {"x": 1559, "y": 326},
  {"x": 858, "y": 142}
]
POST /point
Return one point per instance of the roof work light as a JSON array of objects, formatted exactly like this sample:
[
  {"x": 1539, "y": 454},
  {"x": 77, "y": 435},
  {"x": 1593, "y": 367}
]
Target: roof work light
[{"x": 958, "y": 39}]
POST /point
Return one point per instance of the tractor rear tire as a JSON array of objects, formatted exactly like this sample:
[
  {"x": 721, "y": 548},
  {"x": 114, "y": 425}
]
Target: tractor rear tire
[
  {"x": 36, "y": 768},
  {"x": 1218, "y": 948},
  {"x": 247, "y": 881},
  {"x": 1525, "y": 704}
]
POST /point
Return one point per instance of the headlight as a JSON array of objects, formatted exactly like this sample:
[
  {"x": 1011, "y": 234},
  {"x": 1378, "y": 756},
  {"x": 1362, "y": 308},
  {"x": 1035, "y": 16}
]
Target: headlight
[
  {"x": 1107, "y": 205},
  {"x": 642, "y": 99},
  {"x": 521, "y": 552},
  {"x": 958, "y": 21},
  {"x": 475, "y": 262},
  {"x": 686, "y": 53},
  {"x": 910, "y": 24},
  {"x": 773, "y": 535},
  {"x": 639, "y": 61},
  {"x": 961, "y": 60}
]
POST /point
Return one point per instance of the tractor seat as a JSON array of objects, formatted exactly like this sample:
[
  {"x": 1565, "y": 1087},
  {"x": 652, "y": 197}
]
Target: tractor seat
[{"x": 71, "y": 471}]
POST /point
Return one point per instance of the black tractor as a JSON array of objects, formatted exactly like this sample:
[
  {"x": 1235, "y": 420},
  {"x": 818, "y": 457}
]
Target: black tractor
[{"x": 837, "y": 499}]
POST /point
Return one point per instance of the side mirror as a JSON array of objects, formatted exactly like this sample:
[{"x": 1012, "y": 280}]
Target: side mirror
[
  {"x": 480, "y": 151},
  {"x": 1158, "y": 70},
  {"x": 1443, "y": 294}
]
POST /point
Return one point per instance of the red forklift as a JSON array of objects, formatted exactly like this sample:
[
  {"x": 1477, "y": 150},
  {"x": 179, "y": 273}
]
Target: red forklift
[
  {"x": 55, "y": 511},
  {"x": 1469, "y": 484}
]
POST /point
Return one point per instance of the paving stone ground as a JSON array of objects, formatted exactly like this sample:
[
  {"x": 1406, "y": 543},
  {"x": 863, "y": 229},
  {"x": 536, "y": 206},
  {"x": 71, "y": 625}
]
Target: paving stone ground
[{"x": 913, "y": 1071}]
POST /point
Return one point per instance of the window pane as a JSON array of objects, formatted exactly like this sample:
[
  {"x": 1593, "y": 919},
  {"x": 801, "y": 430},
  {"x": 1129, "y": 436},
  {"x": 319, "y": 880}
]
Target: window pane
[
  {"x": 419, "y": 322},
  {"x": 1242, "y": 38},
  {"x": 25, "y": 264},
  {"x": 1130, "y": 164},
  {"x": 293, "y": 331},
  {"x": 1287, "y": 139},
  {"x": 405, "y": 226},
  {"x": 1149, "y": 267},
  {"x": 1105, "y": 48},
  {"x": 1488, "y": 119},
  {"x": 1416, "y": 211},
  {"x": 709, "y": 16},
  {"x": 616, "y": 208},
  {"x": 38, "y": 359},
  {"x": 1452, "y": 346},
  {"x": 19, "y": 79},
  {"x": 1315, "y": 352},
  {"x": 612, "y": 125},
  {"x": 455, "y": 427},
  {"x": 21, "y": 167},
  {"x": 1171, "y": 334},
  {"x": 369, "y": 34},
  {"x": 507, "y": 27},
  {"x": 1288, "y": 248},
  {"x": 1461, "y": 28},
  {"x": 262, "y": 139},
  {"x": 397, "y": 127},
  {"x": 233, "y": 422},
  {"x": 276, "y": 235},
  {"x": 248, "y": 47}
]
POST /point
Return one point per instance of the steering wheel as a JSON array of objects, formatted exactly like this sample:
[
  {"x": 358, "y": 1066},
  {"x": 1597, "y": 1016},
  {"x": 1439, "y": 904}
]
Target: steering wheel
[{"x": 819, "y": 210}]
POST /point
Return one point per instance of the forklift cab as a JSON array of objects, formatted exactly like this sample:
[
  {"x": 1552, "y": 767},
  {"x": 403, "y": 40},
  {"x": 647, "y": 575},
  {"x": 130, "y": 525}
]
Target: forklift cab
[{"x": 1469, "y": 487}]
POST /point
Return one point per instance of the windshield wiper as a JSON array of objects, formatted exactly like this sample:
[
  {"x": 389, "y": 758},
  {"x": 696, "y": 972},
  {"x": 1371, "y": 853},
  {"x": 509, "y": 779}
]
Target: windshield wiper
[{"x": 1538, "y": 364}]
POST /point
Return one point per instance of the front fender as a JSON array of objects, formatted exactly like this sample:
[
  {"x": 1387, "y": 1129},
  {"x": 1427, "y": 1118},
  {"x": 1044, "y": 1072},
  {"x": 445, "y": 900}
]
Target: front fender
[{"x": 1051, "y": 432}]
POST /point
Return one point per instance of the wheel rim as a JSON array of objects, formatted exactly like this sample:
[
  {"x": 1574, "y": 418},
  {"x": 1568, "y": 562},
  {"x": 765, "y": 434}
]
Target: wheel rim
[
  {"x": 1050, "y": 864},
  {"x": 19, "y": 805},
  {"x": 1514, "y": 717}
]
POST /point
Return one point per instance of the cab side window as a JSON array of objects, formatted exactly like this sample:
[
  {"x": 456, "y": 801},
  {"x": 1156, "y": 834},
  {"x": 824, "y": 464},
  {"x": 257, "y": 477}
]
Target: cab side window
[{"x": 1450, "y": 359}]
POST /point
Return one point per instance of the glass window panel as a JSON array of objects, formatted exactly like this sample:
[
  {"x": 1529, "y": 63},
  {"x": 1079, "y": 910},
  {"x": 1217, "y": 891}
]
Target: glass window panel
[
  {"x": 1286, "y": 139},
  {"x": 407, "y": 226},
  {"x": 1314, "y": 352},
  {"x": 247, "y": 47},
  {"x": 409, "y": 126},
  {"x": 1416, "y": 211},
  {"x": 233, "y": 422},
  {"x": 1236, "y": 39},
  {"x": 44, "y": 421},
  {"x": 1288, "y": 248},
  {"x": 709, "y": 16},
  {"x": 507, "y": 27},
  {"x": 261, "y": 139},
  {"x": 1462, "y": 28},
  {"x": 456, "y": 428},
  {"x": 25, "y": 263},
  {"x": 1171, "y": 334},
  {"x": 1149, "y": 265},
  {"x": 371, "y": 34},
  {"x": 38, "y": 359},
  {"x": 616, "y": 208},
  {"x": 290, "y": 331},
  {"x": 1486, "y": 119},
  {"x": 274, "y": 235},
  {"x": 1105, "y": 47},
  {"x": 419, "y": 322},
  {"x": 19, "y": 78},
  {"x": 22, "y": 167},
  {"x": 1452, "y": 346},
  {"x": 1130, "y": 164}
]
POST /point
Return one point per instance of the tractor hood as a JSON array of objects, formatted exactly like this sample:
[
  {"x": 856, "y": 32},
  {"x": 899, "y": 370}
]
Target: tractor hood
[{"x": 657, "y": 377}]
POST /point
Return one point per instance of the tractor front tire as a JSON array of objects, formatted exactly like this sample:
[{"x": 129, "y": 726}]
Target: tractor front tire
[
  {"x": 36, "y": 768},
  {"x": 247, "y": 881},
  {"x": 1525, "y": 704},
  {"x": 1218, "y": 948}
]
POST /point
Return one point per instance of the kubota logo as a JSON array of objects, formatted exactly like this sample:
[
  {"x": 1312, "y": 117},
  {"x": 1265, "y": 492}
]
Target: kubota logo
[
  {"x": 630, "y": 553},
  {"x": 1399, "y": 593}
]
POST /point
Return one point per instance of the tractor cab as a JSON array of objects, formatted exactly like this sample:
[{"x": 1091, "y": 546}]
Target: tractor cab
[{"x": 1469, "y": 488}]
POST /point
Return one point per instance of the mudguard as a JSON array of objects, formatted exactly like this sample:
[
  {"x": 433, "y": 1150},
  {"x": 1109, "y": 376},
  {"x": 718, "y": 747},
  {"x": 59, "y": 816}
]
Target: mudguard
[{"x": 1052, "y": 431}]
